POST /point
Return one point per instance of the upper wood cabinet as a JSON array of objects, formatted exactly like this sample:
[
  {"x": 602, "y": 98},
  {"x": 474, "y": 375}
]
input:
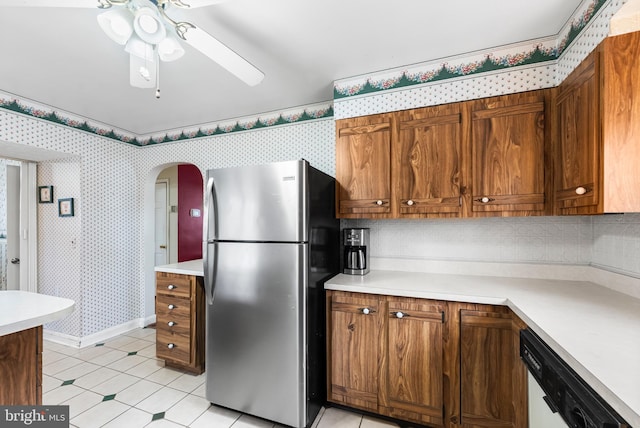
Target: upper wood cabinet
[
  {"x": 363, "y": 170},
  {"x": 427, "y": 162},
  {"x": 469, "y": 159},
  {"x": 598, "y": 155},
  {"x": 507, "y": 155}
]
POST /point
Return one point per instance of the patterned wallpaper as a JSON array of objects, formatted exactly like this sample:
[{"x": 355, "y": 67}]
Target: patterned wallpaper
[{"x": 102, "y": 254}]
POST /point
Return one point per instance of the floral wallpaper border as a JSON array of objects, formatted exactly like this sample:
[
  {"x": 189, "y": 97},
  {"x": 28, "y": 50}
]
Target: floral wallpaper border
[
  {"x": 498, "y": 60},
  {"x": 297, "y": 115}
]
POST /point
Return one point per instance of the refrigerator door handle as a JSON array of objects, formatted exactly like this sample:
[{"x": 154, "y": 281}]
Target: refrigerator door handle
[{"x": 210, "y": 253}]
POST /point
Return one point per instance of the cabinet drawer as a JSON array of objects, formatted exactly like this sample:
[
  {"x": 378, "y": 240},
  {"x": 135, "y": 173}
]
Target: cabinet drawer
[
  {"x": 174, "y": 323},
  {"x": 173, "y": 346},
  {"x": 167, "y": 307},
  {"x": 175, "y": 285}
]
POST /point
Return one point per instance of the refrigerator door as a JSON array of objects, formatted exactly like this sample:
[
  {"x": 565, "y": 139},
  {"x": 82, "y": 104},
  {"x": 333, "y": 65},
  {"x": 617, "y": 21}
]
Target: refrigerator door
[
  {"x": 258, "y": 203},
  {"x": 256, "y": 330}
]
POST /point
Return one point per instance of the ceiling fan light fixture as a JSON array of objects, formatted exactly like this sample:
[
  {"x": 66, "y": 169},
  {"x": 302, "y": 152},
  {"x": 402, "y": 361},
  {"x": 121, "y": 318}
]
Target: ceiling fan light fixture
[
  {"x": 149, "y": 26},
  {"x": 117, "y": 24},
  {"x": 170, "y": 49},
  {"x": 224, "y": 56},
  {"x": 138, "y": 47}
]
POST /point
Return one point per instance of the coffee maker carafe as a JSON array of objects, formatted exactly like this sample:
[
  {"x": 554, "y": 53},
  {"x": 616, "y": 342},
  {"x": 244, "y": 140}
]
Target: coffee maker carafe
[{"x": 356, "y": 257}]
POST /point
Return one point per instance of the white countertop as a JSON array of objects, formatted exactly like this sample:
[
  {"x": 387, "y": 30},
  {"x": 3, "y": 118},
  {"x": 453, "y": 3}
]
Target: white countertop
[
  {"x": 192, "y": 267},
  {"x": 594, "y": 329},
  {"x": 21, "y": 310}
]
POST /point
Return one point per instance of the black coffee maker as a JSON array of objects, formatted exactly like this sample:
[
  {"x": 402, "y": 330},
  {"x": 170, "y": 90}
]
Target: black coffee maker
[{"x": 356, "y": 257}]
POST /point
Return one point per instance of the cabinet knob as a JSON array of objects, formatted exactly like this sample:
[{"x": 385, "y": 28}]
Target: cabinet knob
[
  {"x": 171, "y": 346},
  {"x": 171, "y": 323},
  {"x": 171, "y": 307},
  {"x": 484, "y": 200},
  {"x": 581, "y": 190},
  {"x": 399, "y": 314},
  {"x": 379, "y": 202},
  {"x": 171, "y": 286},
  {"x": 410, "y": 202},
  {"x": 366, "y": 311}
]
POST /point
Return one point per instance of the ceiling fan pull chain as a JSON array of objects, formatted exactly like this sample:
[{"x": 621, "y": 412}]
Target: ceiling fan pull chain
[{"x": 157, "y": 61}]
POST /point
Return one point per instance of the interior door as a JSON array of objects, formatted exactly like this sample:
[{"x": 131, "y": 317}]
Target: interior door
[
  {"x": 161, "y": 223},
  {"x": 13, "y": 227}
]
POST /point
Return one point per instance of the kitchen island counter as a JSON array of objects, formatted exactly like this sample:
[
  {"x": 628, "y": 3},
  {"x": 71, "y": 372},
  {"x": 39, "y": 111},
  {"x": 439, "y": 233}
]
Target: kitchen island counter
[
  {"x": 596, "y": 330},
  {"x": 21, "y": 310}
]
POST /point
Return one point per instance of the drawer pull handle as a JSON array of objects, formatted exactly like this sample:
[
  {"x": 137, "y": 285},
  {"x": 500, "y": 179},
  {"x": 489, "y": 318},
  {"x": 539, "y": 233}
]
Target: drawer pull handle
[
  {"x": 171, "y": 346},
  {"x": 171, "y": 307},
  {"x": 367, "y": 311},
  {"x": 171, "y": 323},
  {"x": 379, "y": 202},
  {"x": 171, "y": 286},
  {"x": 410, "y": 202},
  {"x": 484, "y": 200}
]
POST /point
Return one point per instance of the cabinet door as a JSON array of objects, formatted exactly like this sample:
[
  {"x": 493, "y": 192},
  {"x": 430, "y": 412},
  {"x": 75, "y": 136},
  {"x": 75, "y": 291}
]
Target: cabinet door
[
  {"x": 427, "y": 161},
  {"x": 508, "y": 142},
  {"x": 493, "y": 378},
  {"x": 577, "y": 177},
  {"x": 363, "y": 166},
  {"x": 21, "y": 368},
  {"x": 414, "y": 381},
  {"x": 354, "y": 349}
]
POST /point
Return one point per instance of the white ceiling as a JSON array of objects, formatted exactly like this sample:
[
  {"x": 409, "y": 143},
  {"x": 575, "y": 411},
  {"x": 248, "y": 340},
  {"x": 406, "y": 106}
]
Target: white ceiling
[{"x": 61, "y": 58}]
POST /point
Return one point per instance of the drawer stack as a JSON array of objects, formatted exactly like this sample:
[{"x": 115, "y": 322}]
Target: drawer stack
[{"x": 180, "y": 315}]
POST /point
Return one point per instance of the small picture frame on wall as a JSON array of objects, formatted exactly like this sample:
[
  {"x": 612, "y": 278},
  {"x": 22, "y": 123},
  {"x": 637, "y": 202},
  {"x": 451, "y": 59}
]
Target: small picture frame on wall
[
  {"x": 65, "y": 207},
  {"x": 45, "y": 194}
]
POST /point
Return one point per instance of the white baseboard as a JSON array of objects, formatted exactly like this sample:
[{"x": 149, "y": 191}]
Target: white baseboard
[{"x": 101, "y": 336}]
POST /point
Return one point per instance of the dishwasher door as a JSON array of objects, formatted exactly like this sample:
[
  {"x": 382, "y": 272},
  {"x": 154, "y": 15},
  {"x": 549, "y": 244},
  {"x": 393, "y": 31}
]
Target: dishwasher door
[{"x": 540, "y": 415}]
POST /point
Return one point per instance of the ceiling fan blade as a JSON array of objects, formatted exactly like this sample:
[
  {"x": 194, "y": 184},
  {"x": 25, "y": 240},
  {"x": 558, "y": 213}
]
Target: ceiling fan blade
[
  {"x": 224, "y": 56},
  {"x": 89, "y": 4},
  {"x": 196, "y": 3}
]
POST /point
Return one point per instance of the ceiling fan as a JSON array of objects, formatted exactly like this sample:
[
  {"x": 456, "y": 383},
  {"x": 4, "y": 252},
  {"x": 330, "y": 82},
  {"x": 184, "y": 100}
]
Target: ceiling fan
[{"x": 150, "y": 35}]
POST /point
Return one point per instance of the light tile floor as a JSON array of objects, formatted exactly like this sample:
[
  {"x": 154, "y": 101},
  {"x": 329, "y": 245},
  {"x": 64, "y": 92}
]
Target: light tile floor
[{"x": 120, "y": 383}]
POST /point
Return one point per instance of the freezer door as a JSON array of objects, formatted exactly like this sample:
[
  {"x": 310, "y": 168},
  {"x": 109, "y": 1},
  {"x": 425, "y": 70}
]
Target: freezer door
[
  {"x": 258, "y": 203},
  {"x": 256, "y": 331}
]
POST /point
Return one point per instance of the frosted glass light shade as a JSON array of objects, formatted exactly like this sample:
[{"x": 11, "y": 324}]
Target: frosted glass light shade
[
  {"x": 117, "y": 24},
  {"x": 136, "y": 46},
  {"x": 170, "y": 49}
]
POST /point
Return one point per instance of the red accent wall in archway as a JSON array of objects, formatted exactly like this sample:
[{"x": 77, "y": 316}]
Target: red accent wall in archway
[{"x": 189, "y": 228}]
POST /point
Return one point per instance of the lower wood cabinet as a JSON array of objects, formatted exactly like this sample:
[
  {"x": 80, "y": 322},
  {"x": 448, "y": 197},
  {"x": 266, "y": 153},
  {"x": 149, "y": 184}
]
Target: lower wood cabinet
[
  {"x": 21, "y": 368},
  {"x": 180, "y": 318},
  {"x": 435, "y": 363}
]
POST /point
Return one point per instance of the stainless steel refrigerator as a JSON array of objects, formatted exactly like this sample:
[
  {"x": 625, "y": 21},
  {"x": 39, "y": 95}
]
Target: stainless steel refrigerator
[{"x": 271, "y": 241}]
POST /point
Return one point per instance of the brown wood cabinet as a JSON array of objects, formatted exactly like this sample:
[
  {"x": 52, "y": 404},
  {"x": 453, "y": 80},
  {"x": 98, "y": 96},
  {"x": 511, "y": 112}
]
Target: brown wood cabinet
[
  {"x": 180, "y": 318},
  {"x": 363, "y": 145},
  {"x": 470, "y": 159},
  {"x": 493, "y": 380},
  {"x": 21, "y": 368},
  {"x": 507, "y": 155},
  {"x": 441, "y": 364},
  {"x": 427, "y": 162},
  {"x": 597, "y": 157}
]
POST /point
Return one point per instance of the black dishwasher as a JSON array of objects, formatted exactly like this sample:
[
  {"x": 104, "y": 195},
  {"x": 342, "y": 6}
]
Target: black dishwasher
[{"x": 566, "y": 392}]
